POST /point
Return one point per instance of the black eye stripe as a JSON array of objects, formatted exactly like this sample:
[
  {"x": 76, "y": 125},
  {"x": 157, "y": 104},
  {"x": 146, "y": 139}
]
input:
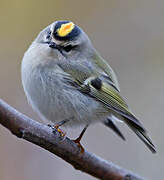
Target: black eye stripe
[{"x": 69, "y": 48}]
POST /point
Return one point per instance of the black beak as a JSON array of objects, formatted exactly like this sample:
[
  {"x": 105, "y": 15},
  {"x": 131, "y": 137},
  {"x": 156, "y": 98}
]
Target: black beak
[{"x": 53, "y": 45}]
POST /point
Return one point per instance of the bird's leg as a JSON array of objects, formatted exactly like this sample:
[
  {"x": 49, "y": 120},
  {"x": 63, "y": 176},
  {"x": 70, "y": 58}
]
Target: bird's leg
[
  {"x": 77, "y": 141},
  {"x": 57, "y": 125}
]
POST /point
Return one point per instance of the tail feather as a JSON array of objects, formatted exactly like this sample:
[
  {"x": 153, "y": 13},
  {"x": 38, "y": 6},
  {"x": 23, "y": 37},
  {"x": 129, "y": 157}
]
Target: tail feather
[
  {"x": 112, "y": 125},
  {"x": 142, "y": 134}
]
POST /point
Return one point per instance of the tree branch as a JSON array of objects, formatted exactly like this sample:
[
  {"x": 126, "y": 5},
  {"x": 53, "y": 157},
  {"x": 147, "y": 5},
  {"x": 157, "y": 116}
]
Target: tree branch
[{"x": 41, "y": 135}]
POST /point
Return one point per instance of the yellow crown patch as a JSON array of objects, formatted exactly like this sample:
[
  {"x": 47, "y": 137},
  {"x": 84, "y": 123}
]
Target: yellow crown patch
[{"x": 65, "y": 29}]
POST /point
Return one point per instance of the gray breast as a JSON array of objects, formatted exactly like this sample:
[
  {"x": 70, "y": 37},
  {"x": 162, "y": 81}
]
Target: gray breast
[{"x": 56, "y": 100}]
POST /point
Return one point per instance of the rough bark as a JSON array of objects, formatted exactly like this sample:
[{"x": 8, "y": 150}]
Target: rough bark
[{"x": 43, "y": 136}]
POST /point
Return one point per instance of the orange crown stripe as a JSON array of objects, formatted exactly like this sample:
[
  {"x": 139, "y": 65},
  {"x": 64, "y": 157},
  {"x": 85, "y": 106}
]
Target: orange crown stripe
[{"x": 65, "y": 29}]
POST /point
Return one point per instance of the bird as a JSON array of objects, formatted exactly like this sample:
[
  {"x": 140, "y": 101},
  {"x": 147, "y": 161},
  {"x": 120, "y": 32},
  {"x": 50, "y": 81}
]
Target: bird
[{"x": 68, "y": 83}]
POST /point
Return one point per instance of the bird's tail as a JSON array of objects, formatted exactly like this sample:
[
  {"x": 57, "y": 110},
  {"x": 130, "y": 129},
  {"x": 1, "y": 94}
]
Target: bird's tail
[
  {"x": 141, "y": 133},
  {"x": 109, "y": 122}
]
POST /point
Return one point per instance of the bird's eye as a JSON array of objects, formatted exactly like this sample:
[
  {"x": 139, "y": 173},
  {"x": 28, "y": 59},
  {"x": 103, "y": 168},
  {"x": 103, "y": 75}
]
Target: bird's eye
[{"x": 68, "y": 48}]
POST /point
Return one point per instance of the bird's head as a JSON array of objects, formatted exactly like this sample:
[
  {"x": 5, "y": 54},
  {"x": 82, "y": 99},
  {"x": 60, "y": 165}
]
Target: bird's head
[{"x": 64, "y": 40}]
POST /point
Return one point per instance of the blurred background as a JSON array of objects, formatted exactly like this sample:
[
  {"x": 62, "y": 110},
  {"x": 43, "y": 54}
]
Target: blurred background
[{"x": 129, "y": 34}]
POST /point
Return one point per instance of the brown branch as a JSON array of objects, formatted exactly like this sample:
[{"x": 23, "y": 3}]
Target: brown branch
[{"x": 41, "y": 135}]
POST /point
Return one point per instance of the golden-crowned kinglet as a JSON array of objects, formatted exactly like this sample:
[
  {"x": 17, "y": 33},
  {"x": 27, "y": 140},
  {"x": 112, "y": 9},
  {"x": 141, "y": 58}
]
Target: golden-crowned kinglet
[{"x": 65, "y": 78}]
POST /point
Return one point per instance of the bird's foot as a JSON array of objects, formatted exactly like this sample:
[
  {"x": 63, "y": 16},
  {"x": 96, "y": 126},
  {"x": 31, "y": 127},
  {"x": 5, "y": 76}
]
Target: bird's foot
[
  {"x": 77, "y": 141},
  {"x": 56, "y": 127},
  {"x": 62, "y": 133}
]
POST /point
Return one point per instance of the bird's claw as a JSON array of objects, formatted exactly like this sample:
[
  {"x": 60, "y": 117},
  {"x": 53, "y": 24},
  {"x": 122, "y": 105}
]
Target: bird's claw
[
  {"x": 62, "y": 133},
  {"x": 77, "y": 141},
  {"x": 56, "y": 128}
]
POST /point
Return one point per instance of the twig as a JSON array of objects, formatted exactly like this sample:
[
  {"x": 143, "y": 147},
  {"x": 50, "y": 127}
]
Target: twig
[{"x": 41, "y": 135}]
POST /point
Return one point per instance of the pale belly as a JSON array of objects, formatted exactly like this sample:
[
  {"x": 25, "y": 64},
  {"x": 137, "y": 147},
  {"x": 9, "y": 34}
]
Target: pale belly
[{"x": 54, "y": 101}]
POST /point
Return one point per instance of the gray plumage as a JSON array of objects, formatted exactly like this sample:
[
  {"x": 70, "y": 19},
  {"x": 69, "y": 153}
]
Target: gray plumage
[{"x": 65, "y": 78}]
